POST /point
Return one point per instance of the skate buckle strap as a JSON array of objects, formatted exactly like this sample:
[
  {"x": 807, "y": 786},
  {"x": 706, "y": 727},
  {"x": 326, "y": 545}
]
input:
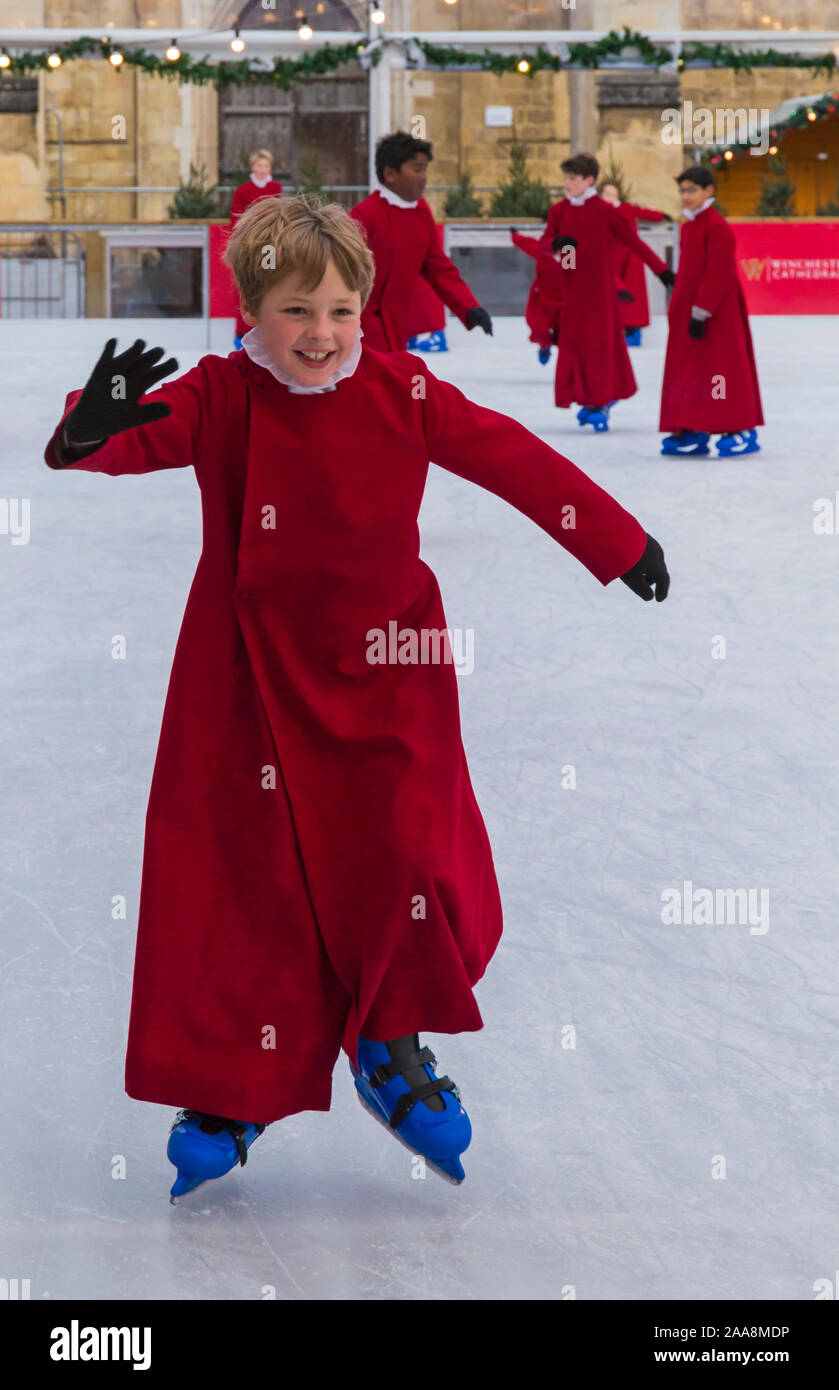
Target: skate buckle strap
[
  {"x": 213, "y": 1124},
  {"x": 388, "y": 1070},
  {"x": 406, "y": 1102}
]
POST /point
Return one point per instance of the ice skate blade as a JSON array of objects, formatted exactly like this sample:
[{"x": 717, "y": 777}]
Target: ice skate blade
[
  {"x": 176, "y": 1200},
  {"x": 455, "y": 1182}
]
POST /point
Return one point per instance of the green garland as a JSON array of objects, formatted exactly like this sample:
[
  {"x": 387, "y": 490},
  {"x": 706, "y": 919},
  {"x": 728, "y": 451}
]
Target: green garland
[
  {"x": 199, "y": 71},
  {"x": 823, "y": 108},
  {"x": 320, "y": 61}
]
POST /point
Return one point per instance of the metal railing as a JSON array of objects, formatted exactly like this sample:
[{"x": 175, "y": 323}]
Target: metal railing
[{"x": 42, "y": 270}]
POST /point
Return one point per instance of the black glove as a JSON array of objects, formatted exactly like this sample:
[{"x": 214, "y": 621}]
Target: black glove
[
  {"x": 560, "y": 242},
  {"x": 626, "y": 296},
  {"x": 476, "y": 317},
  {"x": 667, "y": 278},
  {"x": 650, "y": 570},
  {"x": 98, "y": 415},
  {"x": 696, "y": 328}
]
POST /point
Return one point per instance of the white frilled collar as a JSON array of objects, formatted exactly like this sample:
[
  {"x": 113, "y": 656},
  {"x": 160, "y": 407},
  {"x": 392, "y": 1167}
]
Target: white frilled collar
[
  {"x": 261, "y": 183},
  {"x": 258, "y": 353},
  {"x": 690, "y": 215},
  {"x": 394, "y": 198},
  {"x": 590, "y": 192}
]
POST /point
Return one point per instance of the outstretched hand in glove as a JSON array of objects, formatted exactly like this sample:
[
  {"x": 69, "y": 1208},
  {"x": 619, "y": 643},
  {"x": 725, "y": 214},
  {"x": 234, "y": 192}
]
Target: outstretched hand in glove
[
  {"x": 109, "y": 402},
  {"x": 650, "y": 570}
]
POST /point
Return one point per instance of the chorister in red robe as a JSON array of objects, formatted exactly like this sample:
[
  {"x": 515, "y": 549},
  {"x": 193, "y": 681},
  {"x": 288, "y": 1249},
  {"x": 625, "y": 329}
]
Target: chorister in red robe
[
  {"x": 316, "y": 864},
  {"x": 403, "y": 239},
  {"x": 545, "y": 298},
  {"x": 630, "y": 270},
  {"x": 710, "y": 383},
  {"x": 245, "y": 194},
  {"x": 593, "y": 366}
]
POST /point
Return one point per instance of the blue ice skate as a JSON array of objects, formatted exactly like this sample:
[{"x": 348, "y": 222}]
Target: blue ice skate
[
  {"x": 686, "y": 442},
  {"x": 544, "y": 355},
  {"x": 737, "y": 442},
  {"x": 440, "y": 1136},
  {"x": 206, "y": 1146},
  {"x": 632, "y": 337},
  {"x": 597, "y": 415},
  {"x": 237, "y": 343},
  {"x": 433, "y": 342}
]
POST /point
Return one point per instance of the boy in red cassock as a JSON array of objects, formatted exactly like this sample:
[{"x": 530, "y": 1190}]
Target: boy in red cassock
[
  {"x": 710, "y": 380},
  {"x": 401, "y": 233},
  {"x": 259, "y": 185},
  {"x": 545, "y": 298},
  {"x": 317, "y": 873},
  {"x": 593, "y": 367},
  {"x": 635, "y": 305}
]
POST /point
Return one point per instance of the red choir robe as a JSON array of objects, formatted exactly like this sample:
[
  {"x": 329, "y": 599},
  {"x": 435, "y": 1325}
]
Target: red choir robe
[
  {"x": 315, "y": 860},
  {"x": 405, "y": 246},
  {"x": 246, "y": 194},
  {"x": 630, "y": 270},
  {"x": 709, "y": 383},
  {"x": 427, "y": 313},
  {"x": 593, "y": 366},
  {"x": 545, "y": 298}
]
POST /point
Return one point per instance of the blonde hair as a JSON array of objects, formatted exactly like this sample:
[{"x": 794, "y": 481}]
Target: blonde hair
[
  {"x": 305, "y": 234},
  {"x": 260, "y": 154}
]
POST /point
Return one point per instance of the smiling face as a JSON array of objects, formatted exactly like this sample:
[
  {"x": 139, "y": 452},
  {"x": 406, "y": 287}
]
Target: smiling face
[
  {"x": 693, "y": 196},
  {"x": 261, "y": 169},
  {"x": 575, "y": 185},
  {"x": 308, "y": 333},
  {"x": 609, "y": 193},
  {"x": 409, "y": 180}
]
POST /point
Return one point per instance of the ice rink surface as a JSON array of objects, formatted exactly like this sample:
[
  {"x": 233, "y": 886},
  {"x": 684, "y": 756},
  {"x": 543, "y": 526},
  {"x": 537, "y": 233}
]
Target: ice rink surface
[{"x": 654, "y": 1105}]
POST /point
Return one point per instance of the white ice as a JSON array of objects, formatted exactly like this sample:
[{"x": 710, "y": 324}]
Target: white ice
[{"x": 687, "y": 1145}]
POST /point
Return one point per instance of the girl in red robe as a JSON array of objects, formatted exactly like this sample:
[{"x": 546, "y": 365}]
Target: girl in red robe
[
  {"x": 259, "y": 185},
  {"x": 634, "y": 311},
  {"x": 317, "y": 873},
  {"x": 710, "y": 380},
  {"x": 545, "y": 298},
  {"x": 593, "y": 367},
  {"x": 402, "y": 234}
]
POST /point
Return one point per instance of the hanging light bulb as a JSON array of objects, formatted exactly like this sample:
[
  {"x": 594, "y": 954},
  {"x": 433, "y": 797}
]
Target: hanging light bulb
[
  {"x": 236, "y": 43},
  {"x": 173, "y": 53},
  {"x": 773, "y": 149},
  {"x": 116, "y": 58},
  {"x": 54, "y": 60},
  {"x": 524, "y": 66},
  {"x": 451, "y": 2},
  {"x": 305, "y": 31},
  {"x": 729, "y": 154},
  {"x": 5, "y": 60},
  {"x": 811, "y": 115},
  {"x": 377, "y": 14}
]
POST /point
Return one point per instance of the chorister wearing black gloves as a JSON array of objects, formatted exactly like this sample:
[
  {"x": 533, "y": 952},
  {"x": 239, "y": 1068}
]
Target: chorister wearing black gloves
[
  {"x": 667, "y": 278},
  {"x": 626, "y": 296},
  {"x": 650, "y": 570},
  {"x": 476, "y": 317},
  {"x": 696, "y": 327},
  {"x": 109, "y": 402}
]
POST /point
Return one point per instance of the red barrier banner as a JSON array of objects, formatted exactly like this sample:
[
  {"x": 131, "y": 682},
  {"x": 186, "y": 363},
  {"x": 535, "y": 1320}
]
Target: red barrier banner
[{"x": 789, "y": 267}]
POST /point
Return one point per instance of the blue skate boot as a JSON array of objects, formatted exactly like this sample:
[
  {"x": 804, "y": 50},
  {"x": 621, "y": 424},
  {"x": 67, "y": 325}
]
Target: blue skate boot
[
  {"x": 206, "y": 1146},
  {"x": 433, "y": 342},
  {"x": 686, "y": 442},
  {"x": 237, "y": 343},
  {"x": 737, "y": 442},
  {"x": 544, "y": 355},
  {"x": 396, "y": 1082},
  {"x": 596, "y": 415},
  {"x": 632, "y": 337}
]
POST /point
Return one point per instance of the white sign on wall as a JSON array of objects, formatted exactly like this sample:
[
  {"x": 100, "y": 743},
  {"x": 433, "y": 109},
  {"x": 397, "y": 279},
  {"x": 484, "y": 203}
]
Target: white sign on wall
[{"x": 498, "y": 115}]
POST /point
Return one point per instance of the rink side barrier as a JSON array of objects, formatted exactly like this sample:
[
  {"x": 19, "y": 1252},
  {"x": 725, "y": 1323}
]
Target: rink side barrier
[{"x": 174, "y": 269}]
